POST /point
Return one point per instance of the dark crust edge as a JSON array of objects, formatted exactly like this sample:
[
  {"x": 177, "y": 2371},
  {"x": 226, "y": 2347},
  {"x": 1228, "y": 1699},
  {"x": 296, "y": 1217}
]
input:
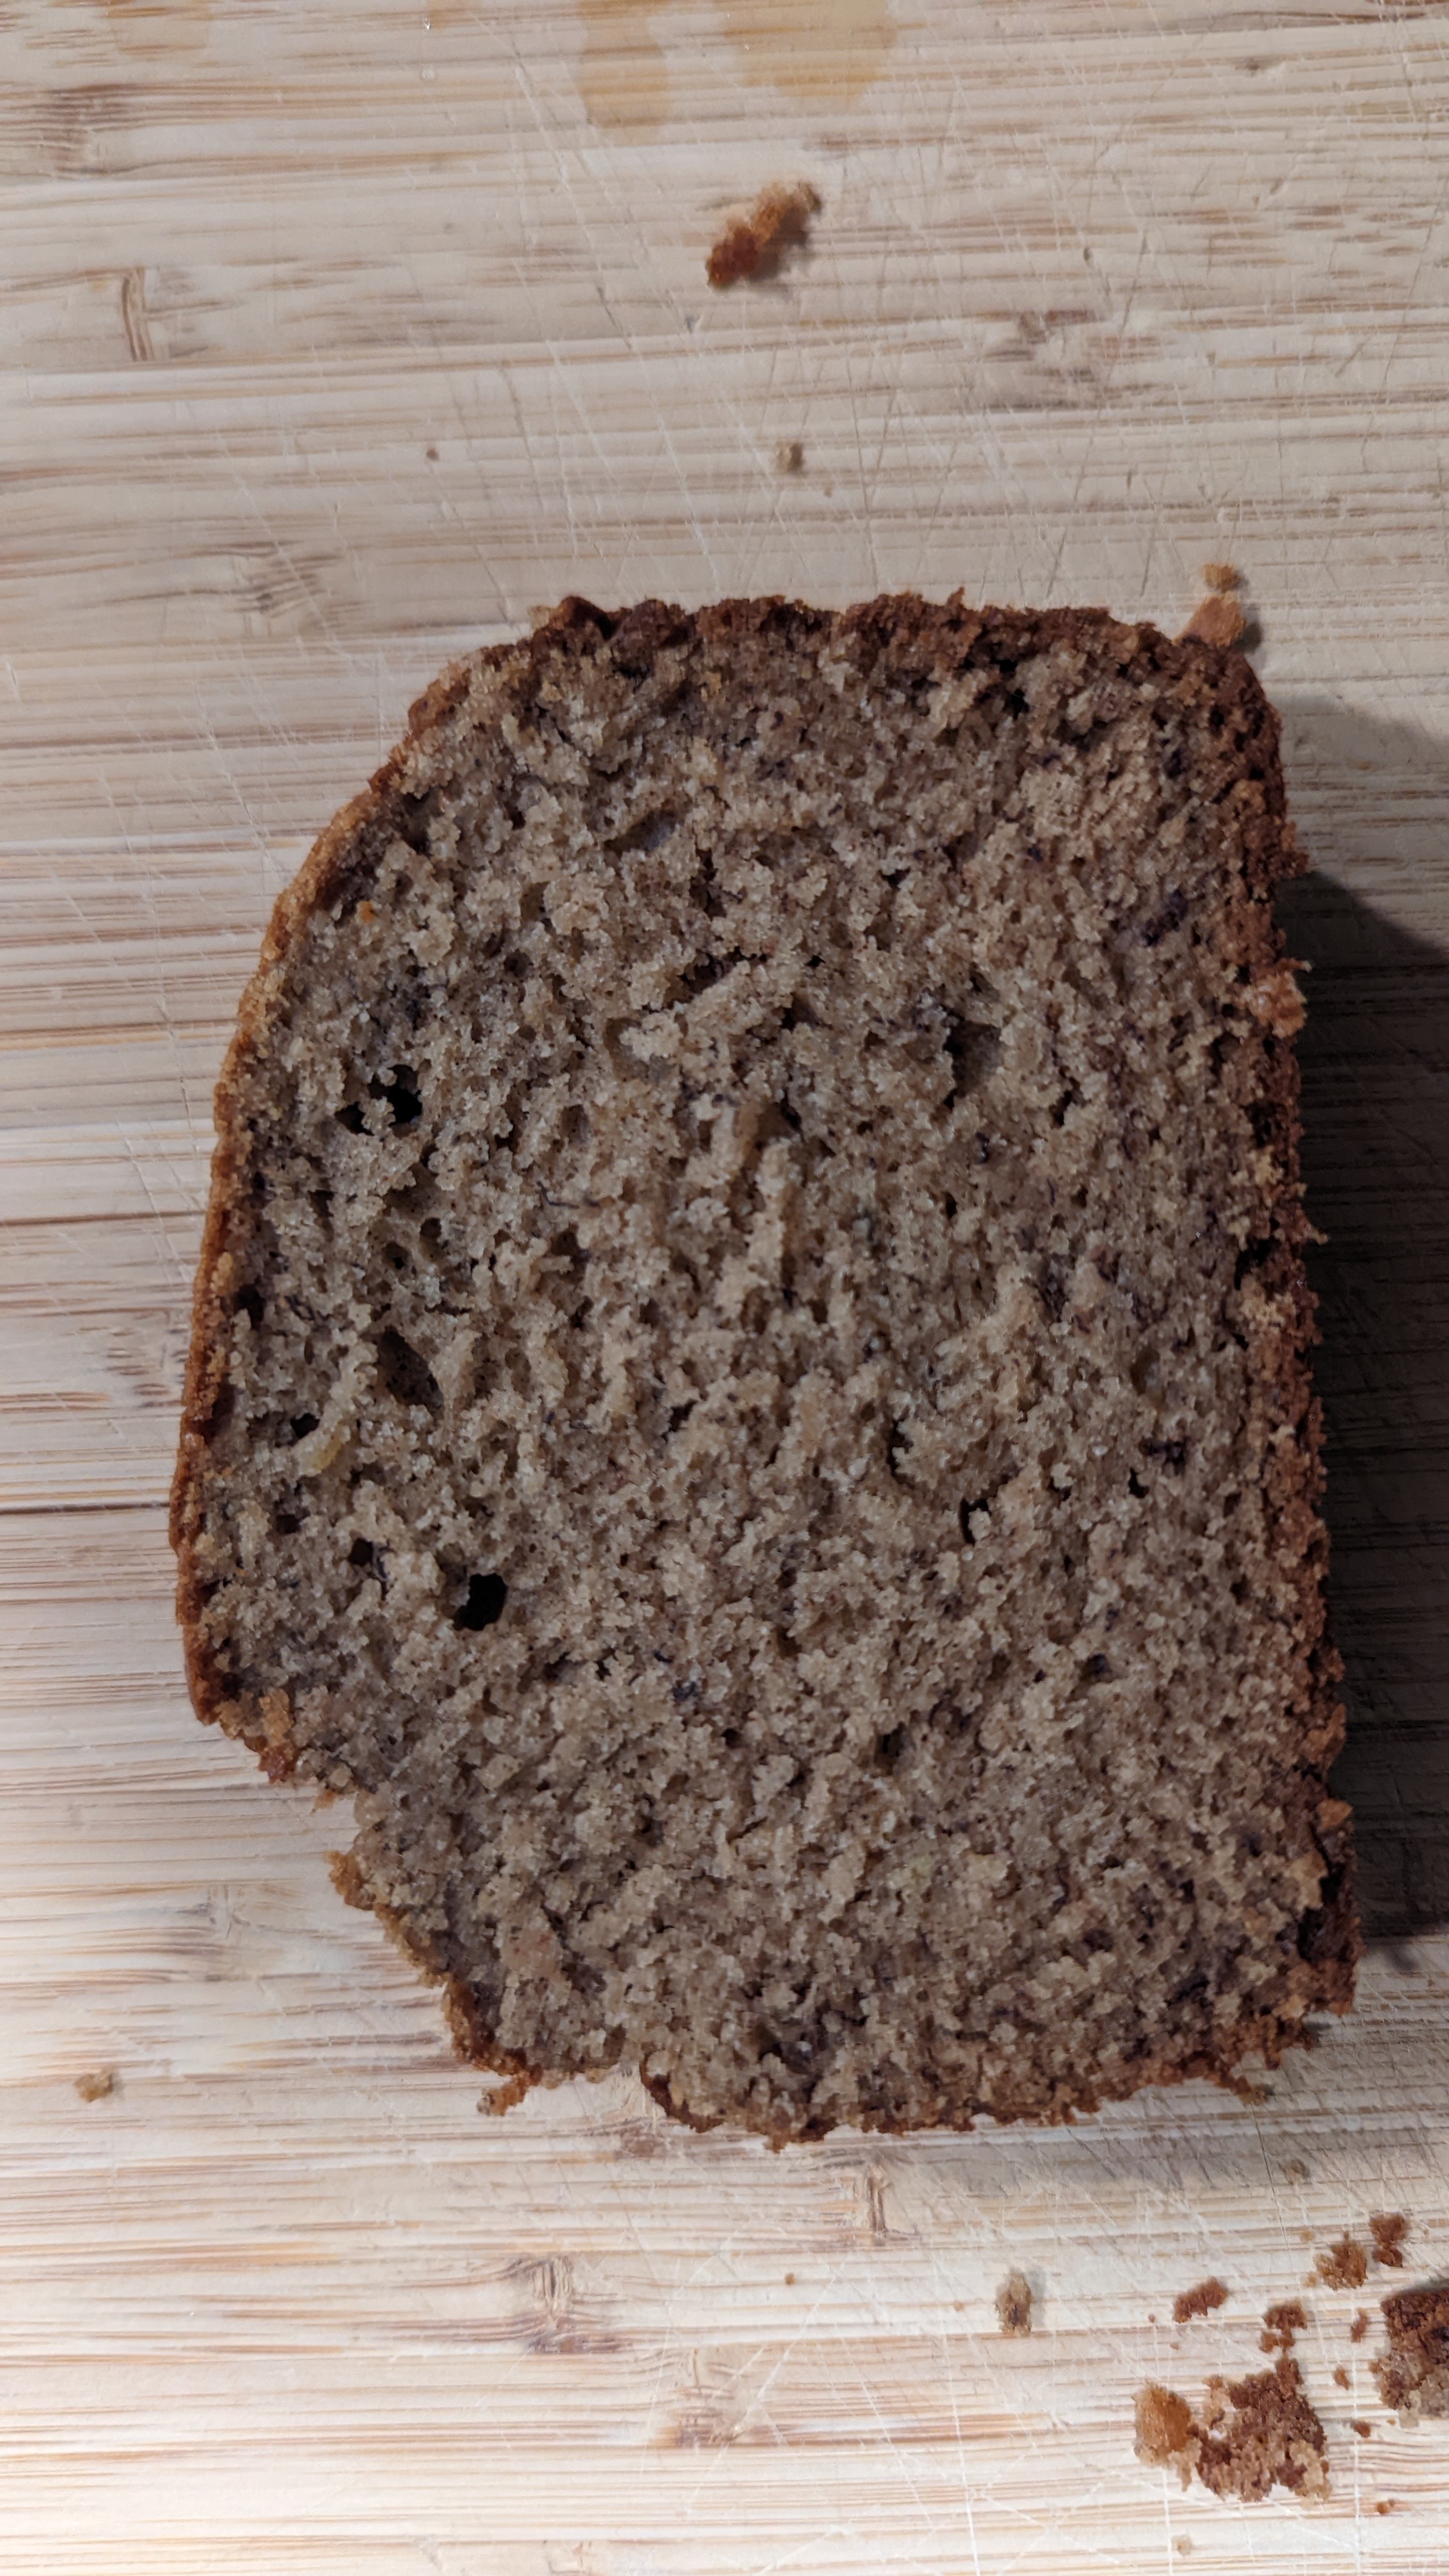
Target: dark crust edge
[{"x": 1329, "y": 1940}]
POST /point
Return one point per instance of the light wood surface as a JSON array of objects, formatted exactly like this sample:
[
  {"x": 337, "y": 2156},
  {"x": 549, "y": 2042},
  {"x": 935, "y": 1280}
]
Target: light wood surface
[{"x": 335, "y": 338}]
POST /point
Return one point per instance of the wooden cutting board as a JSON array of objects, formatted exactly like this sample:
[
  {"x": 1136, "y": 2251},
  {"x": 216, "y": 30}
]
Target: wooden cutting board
[{"x": 335, "y": 339}]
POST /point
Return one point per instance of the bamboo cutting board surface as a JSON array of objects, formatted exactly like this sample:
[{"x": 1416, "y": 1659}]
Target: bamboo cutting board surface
[{"x": 336, "y": 339}]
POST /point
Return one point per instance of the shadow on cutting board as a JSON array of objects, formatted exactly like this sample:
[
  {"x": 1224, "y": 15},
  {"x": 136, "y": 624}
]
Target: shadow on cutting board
[{"x": 1375, "y": 1060}]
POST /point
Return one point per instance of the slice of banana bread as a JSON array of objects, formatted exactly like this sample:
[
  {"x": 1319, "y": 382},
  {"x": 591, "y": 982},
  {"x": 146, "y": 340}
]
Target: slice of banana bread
[{"x": 748, "y": 1397}]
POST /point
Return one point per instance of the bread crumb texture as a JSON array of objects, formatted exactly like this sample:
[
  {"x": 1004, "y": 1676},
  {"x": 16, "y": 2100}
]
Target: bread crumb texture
[
  {"x": 97, "y": 2084},
  {"x": 1253, "y": 2434},
  {"x": 748, "y": 1395},
  {"x": 1344, "y": 2266},
  {"x": 753, "y": 244},
  {"x": 1281, "y": 2324},
  {"x": 1199, "y": 2302},
  {"x": 1388, "y": 2232},
  {"x": 1413, "y": 2375},
  {"x": 1013, "y": 2304}
]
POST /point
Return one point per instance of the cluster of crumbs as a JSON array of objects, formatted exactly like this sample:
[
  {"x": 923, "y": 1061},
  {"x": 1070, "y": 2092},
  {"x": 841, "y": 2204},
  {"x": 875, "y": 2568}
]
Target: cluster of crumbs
[{"x": 1252, "y": 2434}]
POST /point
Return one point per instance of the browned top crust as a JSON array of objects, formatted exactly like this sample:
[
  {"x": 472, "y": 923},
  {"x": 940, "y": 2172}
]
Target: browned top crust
[{"x": 531, "y": 702}]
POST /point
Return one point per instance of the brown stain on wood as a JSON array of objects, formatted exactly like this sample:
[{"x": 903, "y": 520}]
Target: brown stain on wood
[
  {"x": 623, "y": 76},
  {"x": 157, "y": 27},
  {"x": 826, "y": 52}
]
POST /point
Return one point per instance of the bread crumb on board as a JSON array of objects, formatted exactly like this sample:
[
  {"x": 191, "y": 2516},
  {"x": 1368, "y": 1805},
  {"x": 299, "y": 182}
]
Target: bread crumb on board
[
  {"x": 1166, "y": 2430},
  {"x": 1413, "y": 2375},
  {"x": 1388, "y": 2231},
  {"x": 754, "y": 243},
  {"x": 1344, "y": 2266},
  {"x": 1253, "y": 2434},
  {"x": 1013, "y": 2304},
  {"x": 790, "y": 456},
  {"x": 1221, "y": 577},
  {"x": 1340, "y": 2376},
  {"x": 1281, "y": 2324},
  {"x": 1199, "y": 2301},
  {"x": 1359, "y": 2327},
  {"x": 98, "y": 2083},
  {"x": 504, "y": 2096},
  {"x": 1217, "y": 620}
]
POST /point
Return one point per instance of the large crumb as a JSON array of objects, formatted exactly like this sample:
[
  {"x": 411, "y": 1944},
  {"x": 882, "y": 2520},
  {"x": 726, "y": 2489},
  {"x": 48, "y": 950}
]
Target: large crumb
[
  {"x": 1217, "y": 620},
  {"x": 1199, "y": 2302},
  {"x": 1261, "y": 2433},
  {"x": 1221, "y": 577},
  {"x": 1388, "y": 2233},
  {"x": 1344, "y": 2266},
  {"x": 1253, "y": 2434},
  {"x": 1013, "y": 2304},
  {"x": 753, "y": 244},
  {"x": 97, "y": 2084},
  {"x": 1413, "y": 2375}
]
